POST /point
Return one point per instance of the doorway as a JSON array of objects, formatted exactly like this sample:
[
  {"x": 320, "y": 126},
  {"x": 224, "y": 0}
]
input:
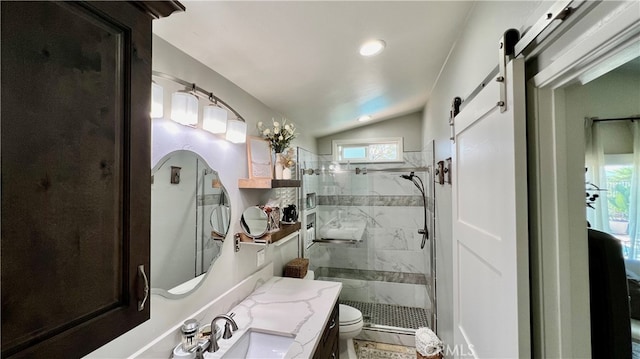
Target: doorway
[
  {"x": 557, "y": 147},
  {"x": 609, "y": 108}
]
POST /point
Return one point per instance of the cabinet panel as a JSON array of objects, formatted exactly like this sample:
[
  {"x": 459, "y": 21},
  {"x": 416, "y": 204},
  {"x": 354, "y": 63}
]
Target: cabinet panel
[
  {"x": 328, "y": 345},
  {"x": 75, "y": 142}
]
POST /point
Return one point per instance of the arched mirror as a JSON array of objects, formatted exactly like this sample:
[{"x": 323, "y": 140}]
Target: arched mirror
[
  {"x": 190, "y": 216},
  {"x": 254, "y": 222}
]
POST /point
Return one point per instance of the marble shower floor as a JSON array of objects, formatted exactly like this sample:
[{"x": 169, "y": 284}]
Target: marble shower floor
[{"x": 391, "y": 315}]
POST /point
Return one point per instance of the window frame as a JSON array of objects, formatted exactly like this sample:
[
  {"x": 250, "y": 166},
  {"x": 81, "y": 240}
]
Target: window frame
[{"x": 336, "y": 146}]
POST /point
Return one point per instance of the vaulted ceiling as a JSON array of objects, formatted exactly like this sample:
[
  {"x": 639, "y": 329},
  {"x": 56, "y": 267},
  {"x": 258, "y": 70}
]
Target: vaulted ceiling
[{"x": 301, "y": 57}]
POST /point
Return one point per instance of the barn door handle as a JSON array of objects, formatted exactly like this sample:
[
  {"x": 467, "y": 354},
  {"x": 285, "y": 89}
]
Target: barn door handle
[{"x": 142, "y": 302}]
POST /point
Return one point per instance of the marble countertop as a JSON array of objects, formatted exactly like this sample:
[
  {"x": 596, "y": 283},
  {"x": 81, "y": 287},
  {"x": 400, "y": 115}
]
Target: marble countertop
[{"x": 289, "y": 306}]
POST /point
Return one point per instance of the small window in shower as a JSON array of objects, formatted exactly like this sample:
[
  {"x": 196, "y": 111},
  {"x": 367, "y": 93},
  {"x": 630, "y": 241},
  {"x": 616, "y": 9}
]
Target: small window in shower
[
  {"x": 354, "y": 153},
  {"x": 368, "y": 150}
]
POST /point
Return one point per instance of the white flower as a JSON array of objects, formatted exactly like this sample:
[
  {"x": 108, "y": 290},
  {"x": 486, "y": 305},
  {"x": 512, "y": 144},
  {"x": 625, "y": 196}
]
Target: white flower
[{"x": 279, "y": 135}]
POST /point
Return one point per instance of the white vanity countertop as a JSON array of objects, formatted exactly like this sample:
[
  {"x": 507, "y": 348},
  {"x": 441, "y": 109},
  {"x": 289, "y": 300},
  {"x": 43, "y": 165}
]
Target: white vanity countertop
[{"x": 287, "y": 305}]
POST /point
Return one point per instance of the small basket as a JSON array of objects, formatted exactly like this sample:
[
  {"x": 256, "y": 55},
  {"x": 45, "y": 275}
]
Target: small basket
[{"x": 296, "y": 268}]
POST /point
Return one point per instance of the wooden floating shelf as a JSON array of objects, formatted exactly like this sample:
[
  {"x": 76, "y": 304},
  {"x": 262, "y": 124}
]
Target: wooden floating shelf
[
  {"x": 284, "y": 231},
  {"x": 267, "y": 183}
]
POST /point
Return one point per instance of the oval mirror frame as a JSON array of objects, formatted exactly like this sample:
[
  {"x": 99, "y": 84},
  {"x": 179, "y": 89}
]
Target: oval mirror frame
[
  {"x": 254, "y": 222},
  {"x": 205, "y": 199}
]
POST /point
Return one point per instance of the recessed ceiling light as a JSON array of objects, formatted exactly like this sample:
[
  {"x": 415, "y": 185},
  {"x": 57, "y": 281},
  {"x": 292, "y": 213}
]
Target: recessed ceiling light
[
  {"x": 364, "y": 118},
  {"x": 372, "y": 47}
]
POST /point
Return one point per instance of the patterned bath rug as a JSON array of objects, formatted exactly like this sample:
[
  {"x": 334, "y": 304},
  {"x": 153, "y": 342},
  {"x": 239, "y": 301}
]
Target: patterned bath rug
[{"x": 372, "y": 350}]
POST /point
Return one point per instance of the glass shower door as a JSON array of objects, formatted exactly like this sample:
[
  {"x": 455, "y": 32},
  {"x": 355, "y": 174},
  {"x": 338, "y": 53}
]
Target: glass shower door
[{"x": 366, "y": 223}]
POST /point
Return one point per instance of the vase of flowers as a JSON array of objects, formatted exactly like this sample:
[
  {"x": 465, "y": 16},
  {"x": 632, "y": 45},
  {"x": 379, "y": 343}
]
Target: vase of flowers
[{"x": 279, "y": 135}]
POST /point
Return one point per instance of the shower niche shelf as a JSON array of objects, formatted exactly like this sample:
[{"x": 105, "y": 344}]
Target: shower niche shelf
[{"x": 267, "y": 183}]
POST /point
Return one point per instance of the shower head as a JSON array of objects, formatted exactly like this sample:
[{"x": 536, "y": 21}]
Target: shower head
[
  {"x": 408, "y": 177},
  {"x": 416, "y": 181}
]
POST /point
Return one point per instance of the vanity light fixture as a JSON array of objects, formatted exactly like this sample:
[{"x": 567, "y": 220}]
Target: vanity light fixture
[
  {"x": 157, "y": 101},
  {"x": 364, "y": 118},
  {"x": 372, "y": 47},
  {"x": 214, "y": 118},
  {"x": 184, "y": 108},
  {"x": 236, "y": 131}
]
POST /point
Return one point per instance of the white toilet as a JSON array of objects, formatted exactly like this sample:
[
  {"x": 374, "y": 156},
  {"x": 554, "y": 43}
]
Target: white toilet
[{"x": 350, "y": 326}]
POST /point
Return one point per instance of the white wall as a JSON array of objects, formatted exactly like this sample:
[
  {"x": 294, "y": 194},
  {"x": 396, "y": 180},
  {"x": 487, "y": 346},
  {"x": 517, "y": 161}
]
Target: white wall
[
  {"x": 472, "y": 58},
  {"x": 230, "y": 161},
  {"x": 409, "y": 127}
]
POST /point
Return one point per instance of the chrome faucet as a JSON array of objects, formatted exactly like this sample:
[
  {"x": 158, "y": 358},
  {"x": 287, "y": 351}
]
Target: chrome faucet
[{"x": 229, "y": 327}]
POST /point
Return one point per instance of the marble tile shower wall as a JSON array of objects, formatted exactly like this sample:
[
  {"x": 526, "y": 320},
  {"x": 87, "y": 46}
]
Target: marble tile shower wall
[{"x": 392, "y": 208}]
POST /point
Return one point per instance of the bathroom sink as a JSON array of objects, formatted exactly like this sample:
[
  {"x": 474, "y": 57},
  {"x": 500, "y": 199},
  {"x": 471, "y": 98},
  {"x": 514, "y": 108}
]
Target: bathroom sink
[{"x": 258, "y": 344}]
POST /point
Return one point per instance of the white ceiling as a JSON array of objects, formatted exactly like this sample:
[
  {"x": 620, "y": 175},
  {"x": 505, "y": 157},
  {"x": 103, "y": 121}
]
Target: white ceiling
[{"x": 301, "y": 57}]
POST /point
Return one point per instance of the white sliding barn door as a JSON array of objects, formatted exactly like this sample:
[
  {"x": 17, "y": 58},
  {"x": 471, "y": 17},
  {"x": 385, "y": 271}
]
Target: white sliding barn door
[{"x": 490, "y": 235}]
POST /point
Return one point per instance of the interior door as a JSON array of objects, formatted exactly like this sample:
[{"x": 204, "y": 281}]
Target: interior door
[{"x": 490, "y": 249}]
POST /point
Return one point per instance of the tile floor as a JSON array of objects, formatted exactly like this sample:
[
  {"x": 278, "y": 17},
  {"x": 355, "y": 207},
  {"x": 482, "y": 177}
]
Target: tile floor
[{"x": 391, "y": 315}]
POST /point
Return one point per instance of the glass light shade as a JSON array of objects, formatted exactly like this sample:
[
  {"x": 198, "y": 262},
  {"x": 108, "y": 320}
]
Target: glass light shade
[
  {"x": 184, "y": 108},
  {"x": 236, "y": 131},
  {"x": 157, "y": 101},
  {"x": 214, "y": 119}
]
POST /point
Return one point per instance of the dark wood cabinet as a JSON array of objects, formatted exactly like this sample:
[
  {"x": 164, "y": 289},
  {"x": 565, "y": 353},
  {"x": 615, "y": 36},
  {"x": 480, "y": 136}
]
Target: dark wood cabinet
[
  {"x": 75, "y": 144},
  {"x": 328, "y": 346}
]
